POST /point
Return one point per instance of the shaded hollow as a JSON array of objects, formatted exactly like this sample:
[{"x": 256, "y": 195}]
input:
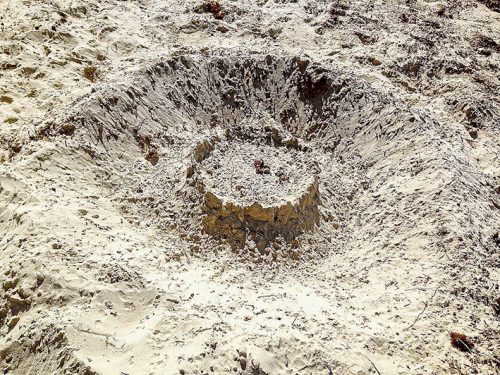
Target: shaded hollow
[{"x": 204, "y": 123}]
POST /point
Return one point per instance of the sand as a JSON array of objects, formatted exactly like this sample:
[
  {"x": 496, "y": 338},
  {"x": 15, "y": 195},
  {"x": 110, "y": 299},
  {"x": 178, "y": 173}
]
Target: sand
[{"x": 117, "y": 117}]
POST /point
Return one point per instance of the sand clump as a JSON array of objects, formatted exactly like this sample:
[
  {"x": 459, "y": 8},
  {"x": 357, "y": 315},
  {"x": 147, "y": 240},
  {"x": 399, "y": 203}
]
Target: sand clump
[{"x": 245, "y": 197}]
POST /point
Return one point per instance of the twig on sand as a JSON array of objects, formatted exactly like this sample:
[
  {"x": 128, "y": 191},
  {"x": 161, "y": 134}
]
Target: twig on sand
[
  {"x": 268, "y": 295},
  {"x": 423, "y": 310},
  {"x": 373, "y": 364},
  {"x": 330, "y": 372},
  {"x": 95, "y": 333},
  {"x": 296, "y": 316},
  {"x": 306, "y": 367}
]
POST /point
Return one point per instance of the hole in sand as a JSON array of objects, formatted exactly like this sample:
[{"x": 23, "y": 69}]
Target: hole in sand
[{"x": 251, "y": 150}]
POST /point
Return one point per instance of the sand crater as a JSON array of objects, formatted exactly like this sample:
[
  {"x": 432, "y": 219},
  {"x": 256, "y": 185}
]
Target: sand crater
[{"x": 247, "y": 148}]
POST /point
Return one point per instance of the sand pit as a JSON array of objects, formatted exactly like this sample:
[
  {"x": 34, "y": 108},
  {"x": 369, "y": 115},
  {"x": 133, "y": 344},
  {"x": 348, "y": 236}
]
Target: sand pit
[
  {"x": 270, "y": 135},
  {"x": 249, "y": 187}
]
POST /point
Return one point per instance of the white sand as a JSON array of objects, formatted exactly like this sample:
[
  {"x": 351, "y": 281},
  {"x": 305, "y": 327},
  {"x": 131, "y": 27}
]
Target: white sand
[{"x": 103, "y": 267}]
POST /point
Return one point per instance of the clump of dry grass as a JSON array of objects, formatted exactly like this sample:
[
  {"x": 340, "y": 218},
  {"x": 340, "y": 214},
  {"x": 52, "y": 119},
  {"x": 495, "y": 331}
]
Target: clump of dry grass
[
  {"x": 28, "y": 71},
  {"x": 11, "y": 120},
  {"x": 6, "y": 99},
  {"x": 212, "y": 6},
  {"x": 90, "y": 72},
  {"x": 461, "y": 342}
]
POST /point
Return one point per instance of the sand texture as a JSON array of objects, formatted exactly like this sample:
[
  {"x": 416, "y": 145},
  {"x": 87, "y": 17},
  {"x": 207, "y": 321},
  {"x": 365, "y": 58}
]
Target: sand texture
[{"x": 249, "y": 187}]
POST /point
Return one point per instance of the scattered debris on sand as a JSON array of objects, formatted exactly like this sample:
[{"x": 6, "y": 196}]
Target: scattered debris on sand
[{"x": 249, "y": 187}]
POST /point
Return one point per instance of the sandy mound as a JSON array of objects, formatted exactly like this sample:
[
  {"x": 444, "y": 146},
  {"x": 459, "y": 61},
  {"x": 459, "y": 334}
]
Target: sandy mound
[{"x": 270, "y": 187}]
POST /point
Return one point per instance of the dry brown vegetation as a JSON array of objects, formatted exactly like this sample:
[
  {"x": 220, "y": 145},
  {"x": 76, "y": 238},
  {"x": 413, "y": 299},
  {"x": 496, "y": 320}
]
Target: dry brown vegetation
[
  {"x": 213, "y": 7},
  {"x": 461, "y": 342},
  {"x": 90, "y": 72}
]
